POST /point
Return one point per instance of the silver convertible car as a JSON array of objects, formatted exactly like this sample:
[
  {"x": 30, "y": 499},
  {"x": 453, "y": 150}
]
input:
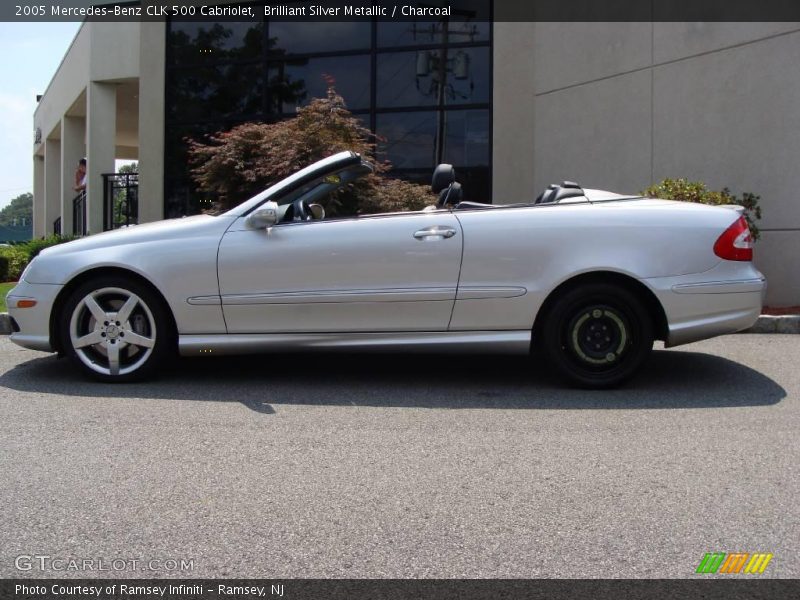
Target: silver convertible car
[{"x": 589, "y": 279}]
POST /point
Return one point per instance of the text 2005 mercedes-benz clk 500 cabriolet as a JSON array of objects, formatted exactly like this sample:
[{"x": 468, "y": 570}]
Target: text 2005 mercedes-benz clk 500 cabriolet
[{"x": 589, "y": 278}]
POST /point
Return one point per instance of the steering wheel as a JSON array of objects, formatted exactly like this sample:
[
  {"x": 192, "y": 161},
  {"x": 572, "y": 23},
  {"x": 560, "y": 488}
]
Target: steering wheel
[{"x": 301, "y": 210}]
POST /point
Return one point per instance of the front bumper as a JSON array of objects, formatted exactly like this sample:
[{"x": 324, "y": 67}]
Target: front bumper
[
  {"x": 725, "y": 299},
  {"x": 34, "y": 322}
]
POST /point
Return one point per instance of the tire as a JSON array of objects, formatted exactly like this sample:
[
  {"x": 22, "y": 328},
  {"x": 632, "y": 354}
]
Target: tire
[
  {"x": 116, "y": 329},
  {"x": 597, "y": 335}
]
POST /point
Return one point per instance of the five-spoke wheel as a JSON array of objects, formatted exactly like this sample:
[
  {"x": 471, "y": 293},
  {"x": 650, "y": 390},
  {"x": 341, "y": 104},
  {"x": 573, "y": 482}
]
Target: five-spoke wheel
[{"x": 115, "y": 330}]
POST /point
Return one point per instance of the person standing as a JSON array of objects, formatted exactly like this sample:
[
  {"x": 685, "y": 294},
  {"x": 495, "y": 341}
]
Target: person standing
[{"x": 80, "y": 176}]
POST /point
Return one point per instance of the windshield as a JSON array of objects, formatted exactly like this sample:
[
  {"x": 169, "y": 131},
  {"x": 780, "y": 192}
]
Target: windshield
[{"x": 305, "y": 179}]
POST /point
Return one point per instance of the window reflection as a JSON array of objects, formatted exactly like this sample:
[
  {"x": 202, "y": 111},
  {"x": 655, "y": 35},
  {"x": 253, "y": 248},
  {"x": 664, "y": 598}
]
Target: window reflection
[
  {"x": 429, "y": 95},
  {"x": 466, "y": 137},
  {"x": 180, "y": 195},
  {"x": 416, "y": 33},
  {"x": 392, "y": 34},
  {"x": 408, "y": 139},
  {"x": 288, "y": 37},
  {"x": 431, "y": 77},
  {"x": 203, "y": 43},
  {"x": 295, "y": 82},
  {"x": 205, "y": 93}
]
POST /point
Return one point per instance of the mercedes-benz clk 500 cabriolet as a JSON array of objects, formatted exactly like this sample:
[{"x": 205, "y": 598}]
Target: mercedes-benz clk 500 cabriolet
[{"x": 587, "y": 278}]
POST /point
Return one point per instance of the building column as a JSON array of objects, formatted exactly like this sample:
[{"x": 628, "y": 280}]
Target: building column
[
  {"x": 52, "y": 183},
  {"x": 513, "y": 113},
  {"x": 73, "y": 148},
  {"x": 101, "y": 145},
  {"x": 152, "y": 61},
  {"x": 39, "y": 227}
]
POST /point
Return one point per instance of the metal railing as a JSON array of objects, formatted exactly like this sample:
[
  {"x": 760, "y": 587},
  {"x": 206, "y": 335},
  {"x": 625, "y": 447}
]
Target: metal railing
[
  {"x": 79, "y": 214},
  {"x": 57, "y": 226},
  {"x": 120, "y": 200}
]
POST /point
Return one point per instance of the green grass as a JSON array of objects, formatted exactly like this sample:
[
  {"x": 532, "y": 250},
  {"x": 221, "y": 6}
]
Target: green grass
[{"x": 4, "y": 289}]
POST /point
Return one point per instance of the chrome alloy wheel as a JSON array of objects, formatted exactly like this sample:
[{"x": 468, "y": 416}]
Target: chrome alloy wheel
[{"x": 112, "y": 331}]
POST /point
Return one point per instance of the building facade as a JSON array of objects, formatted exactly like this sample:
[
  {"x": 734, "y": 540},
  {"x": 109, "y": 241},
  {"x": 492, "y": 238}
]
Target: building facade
[{"x": 514, "y": 106}]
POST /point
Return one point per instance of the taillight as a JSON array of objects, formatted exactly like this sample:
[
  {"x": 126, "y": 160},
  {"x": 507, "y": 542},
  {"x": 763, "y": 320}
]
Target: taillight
[{"x": 735, "y": 243}]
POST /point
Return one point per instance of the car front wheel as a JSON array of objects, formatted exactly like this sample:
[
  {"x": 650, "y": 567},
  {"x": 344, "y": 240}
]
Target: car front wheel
[
  {"x": 597, "y": 335},
  {"x": 115, "y": 329}
]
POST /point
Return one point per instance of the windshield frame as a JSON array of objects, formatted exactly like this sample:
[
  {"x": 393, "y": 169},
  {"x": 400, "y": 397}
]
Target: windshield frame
[{"x": 318, "y": 170}]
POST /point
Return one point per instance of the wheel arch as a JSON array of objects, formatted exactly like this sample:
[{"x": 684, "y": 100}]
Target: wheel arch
[
  {"x": 83, "y": 277},
  {"x": 633, "y": 285}
]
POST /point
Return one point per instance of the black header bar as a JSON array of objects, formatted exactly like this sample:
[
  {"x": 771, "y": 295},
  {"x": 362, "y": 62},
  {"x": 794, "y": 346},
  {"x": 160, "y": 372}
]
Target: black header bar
[{"x": 405, "y": 10}]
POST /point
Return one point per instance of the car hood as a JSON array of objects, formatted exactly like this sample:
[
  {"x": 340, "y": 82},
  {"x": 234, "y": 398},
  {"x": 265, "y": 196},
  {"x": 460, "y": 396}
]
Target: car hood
[{"x": 160, "y": 230}]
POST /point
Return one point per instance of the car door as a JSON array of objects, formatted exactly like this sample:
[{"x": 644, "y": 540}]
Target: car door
[{"x": 395, "y": 272}]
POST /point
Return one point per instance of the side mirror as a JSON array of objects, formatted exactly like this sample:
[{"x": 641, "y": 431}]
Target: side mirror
[{"x": 264, "y": 217}]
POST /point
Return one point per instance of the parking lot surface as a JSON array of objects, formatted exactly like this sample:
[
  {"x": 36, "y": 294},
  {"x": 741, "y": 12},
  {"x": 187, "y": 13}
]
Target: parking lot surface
[{"x": 405, "y": 466}]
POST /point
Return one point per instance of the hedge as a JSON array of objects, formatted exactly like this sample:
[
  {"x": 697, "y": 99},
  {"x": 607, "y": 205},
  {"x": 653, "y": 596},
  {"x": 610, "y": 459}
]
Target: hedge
[{"x": 14, "y": 259}]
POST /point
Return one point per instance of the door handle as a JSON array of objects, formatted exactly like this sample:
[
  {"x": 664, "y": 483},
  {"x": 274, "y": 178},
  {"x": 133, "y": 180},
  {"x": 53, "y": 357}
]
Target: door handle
[{"x": 436, "y": 232}]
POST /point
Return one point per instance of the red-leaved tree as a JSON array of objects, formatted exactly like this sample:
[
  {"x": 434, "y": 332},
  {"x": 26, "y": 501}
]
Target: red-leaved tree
[{"x": 236, "y": 164}]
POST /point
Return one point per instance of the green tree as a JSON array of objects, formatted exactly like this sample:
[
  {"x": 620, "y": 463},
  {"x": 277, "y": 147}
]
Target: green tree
[
  {"x": 121, "y": 198},
  {"x": 19, "y": 212},
  {"x": 236, "y": 164}
]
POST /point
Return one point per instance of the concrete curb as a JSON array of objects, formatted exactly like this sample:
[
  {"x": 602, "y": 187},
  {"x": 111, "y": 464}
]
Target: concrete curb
[
  {"x": 776, "y": 324},
  {"x": 765, "y": 324}
]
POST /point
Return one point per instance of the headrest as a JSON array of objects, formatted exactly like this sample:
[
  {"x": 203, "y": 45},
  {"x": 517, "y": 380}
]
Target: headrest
[
  {"x": 443, "y": 176},
  {"x": 548, "y": 195}
]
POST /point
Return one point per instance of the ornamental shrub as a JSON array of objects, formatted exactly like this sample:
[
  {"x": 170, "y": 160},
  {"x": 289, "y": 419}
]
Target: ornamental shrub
[
  {"x": 19, "y": 255},
  {"x": 4, "y": 262},
  {"x": 696, "y": 191}
]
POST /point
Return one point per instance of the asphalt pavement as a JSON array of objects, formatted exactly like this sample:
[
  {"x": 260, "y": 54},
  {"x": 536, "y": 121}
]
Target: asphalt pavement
[{"x": 402, "y": 466}]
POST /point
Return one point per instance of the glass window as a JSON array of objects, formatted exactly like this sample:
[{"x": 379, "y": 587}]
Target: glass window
[
  {"x": 408, "y": 33},
  {"x": 429, "y": 100},
  {"x": 399, "y": 84},
  {"x": 327, "y": 36},
  {"x": 408, "y": 139},
  {"x": 203, "y": 43},
  {"x": 392, "y": 34},
  {"x": 295, "y": 82},
  {"x": 468, "y": 76},
  {"x": 466, "y": 140},
  {"x": 423, "y": 78},
  {"x": 207, "y": 93},
  {"x": 180, "y": 198},
  {"x": 468, "y": 31},
  {"x": 476, "y": 184},
  {"x": 181, "y": 194}
]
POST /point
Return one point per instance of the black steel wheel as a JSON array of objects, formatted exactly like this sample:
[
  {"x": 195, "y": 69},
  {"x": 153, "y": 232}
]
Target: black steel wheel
[{"x": 597, "y": 335}]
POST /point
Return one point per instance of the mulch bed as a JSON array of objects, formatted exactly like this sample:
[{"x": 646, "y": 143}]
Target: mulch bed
[{"x": 783, "y": 310}]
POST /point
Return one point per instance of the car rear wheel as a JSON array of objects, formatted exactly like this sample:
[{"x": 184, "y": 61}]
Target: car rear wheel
[
  {"x": 115, "y": 329},
  {"x": 597, "y": 335}
]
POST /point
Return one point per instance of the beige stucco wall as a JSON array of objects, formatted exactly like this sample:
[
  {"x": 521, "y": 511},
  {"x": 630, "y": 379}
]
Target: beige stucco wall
[
  {"x": 152, "y": 60},
  {"x": 621, "y": 105},
  {"x": 102, "y": 56},
  {"x": 513, "y": 107}
]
